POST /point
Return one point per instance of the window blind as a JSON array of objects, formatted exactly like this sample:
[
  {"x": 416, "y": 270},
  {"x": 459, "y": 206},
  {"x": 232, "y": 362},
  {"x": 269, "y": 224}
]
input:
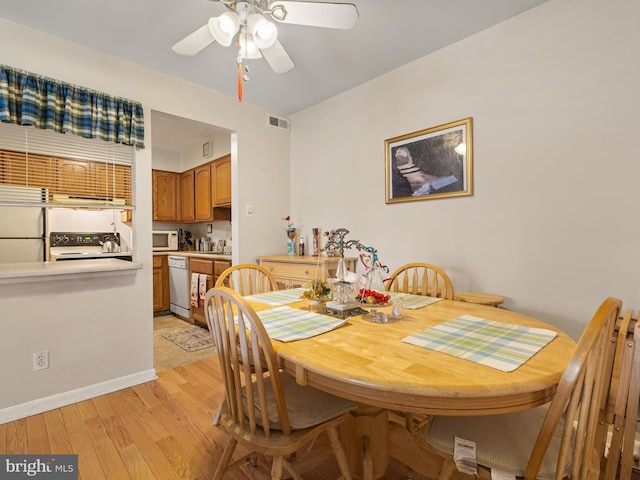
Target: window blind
[{"x": 75, "y": 171}]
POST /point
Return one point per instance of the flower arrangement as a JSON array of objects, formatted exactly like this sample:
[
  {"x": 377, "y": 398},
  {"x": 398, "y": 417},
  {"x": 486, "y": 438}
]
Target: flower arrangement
[
  {"x": 319, "y": 290},
  {"x": 291, "y": 229},
  {"x": 289, "y": 221}
]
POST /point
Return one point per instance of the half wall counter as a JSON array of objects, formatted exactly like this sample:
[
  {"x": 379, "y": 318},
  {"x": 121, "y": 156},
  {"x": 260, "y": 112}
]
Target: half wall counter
[{"x": 44, "y": 271}]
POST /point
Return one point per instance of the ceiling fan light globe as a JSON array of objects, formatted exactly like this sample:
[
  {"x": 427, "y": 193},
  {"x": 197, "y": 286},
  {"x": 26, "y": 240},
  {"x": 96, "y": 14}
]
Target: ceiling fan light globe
[
  {"x": 264, "y": 32},
  {"x": 224, "y": 27}
]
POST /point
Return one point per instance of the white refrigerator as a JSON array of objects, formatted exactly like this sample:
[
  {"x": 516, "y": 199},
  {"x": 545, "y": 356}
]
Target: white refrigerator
[{"x": 23, "y": 229}]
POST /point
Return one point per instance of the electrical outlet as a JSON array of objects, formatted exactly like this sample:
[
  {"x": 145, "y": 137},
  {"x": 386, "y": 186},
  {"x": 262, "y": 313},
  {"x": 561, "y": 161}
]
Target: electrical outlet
[{"x": 40, "y": 360}]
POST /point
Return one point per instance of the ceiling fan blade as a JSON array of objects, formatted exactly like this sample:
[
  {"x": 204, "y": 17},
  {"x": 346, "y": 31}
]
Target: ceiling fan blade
[
  {"x": 278, "y": 58},
  {"x": 194, "y": 42},
  {"x": 315, "y": 14}
]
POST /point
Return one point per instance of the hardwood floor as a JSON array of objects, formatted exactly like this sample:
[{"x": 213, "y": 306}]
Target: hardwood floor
[{"x": 158, "y": 430}]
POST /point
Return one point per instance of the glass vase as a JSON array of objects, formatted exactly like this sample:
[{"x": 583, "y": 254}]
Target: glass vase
[{"x": 291, "y": 241}]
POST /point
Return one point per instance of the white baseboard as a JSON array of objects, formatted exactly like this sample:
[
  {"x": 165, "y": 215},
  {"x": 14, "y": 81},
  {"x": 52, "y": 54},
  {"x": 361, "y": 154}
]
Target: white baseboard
[{"x": 40, "y": 405}]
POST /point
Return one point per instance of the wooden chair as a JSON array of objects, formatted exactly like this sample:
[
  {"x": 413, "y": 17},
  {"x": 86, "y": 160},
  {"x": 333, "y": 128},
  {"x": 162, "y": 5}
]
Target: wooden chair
[
  {"x": 559, "y": 440},
  {"x": 247, "y": 279},
  {"x": 265, "y": 410},
  {"x": 622, "y": 411},
  {"x": 421, "y": 279}
]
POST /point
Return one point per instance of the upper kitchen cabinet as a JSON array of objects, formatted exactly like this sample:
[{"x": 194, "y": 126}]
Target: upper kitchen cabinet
[
  {"x": 96, "y": 180},
  {"x": 187, "y": 196},
  {"x": 165, "y": 196},
  {"x": 221, "y": 181},
  {"x": 203, "y": 190},
  {"x": 113, "y": 181},
  {"x": 34, "y": 171},
  {"x": 75, "y": 178},
  {"x": 66, "y": 177},
  {"x": 202, "y": 201}
]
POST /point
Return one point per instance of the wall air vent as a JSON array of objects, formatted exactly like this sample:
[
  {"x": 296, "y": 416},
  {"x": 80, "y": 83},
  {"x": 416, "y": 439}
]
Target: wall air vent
[{"x": 278, "y": 122}]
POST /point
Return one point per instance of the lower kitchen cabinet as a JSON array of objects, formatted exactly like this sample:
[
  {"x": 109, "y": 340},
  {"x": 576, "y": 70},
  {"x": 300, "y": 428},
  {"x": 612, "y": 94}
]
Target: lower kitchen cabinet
[
  {"x": 299, "y": 271},
  {"x": 161, "y": 300},
  {"x": 212, "y": 269}
]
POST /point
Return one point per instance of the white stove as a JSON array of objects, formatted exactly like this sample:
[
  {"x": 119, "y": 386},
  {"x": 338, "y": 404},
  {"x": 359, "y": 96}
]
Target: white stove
[{"x": 83, "y": 246}]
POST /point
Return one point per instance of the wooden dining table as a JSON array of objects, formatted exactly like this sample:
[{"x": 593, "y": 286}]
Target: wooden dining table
[{"x": 370, "y": 364}]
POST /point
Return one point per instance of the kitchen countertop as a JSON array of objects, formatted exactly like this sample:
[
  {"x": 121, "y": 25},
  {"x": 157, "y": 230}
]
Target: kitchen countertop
[
  {"x": 40, "y": 271},
  {"x": 211, "y": 255}
]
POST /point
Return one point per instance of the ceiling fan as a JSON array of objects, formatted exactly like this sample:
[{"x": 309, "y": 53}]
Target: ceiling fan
[{"x": 257, "y": 35}]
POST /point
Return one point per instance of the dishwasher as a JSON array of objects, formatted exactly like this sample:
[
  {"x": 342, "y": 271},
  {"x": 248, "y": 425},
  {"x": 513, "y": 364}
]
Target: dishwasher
[{"x": 179, "y": 292}]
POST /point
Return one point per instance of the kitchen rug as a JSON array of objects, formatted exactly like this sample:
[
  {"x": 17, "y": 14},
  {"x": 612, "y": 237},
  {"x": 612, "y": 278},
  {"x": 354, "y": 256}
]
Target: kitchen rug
[{"x": 190, "y": 339}]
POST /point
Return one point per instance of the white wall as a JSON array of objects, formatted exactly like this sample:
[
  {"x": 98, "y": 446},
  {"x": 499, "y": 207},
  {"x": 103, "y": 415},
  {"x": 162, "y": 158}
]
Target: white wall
[
  {"x": 553, "y": 223},
  {"x": 99, "y": 331}
]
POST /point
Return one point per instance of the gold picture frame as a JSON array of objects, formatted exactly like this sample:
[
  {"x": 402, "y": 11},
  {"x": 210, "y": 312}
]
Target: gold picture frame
[{"x": 433, "y": 163}]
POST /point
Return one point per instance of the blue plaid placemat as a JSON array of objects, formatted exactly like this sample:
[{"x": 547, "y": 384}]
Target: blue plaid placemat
[
  {"x": 279, "y": 297},
  {"x": 288, "y": 324},
  {"x": 503, "y": 346},
  {"x": 413, "y": 302}
]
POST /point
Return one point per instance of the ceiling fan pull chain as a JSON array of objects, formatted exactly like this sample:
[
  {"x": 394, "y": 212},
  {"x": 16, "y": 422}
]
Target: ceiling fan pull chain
[{"x": 239, "y": 61}]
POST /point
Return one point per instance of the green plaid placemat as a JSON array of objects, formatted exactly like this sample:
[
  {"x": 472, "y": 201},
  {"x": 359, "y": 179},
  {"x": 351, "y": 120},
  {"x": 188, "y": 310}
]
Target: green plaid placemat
[
  {"x": 413, "y": 302},
  {"x": 279, "y": 297},
  {"x": 503, "y": 346},
  {"x": 288, "y": 324}
]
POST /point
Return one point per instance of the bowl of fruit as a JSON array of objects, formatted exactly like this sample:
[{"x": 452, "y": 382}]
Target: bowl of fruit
[{"x": 373, "y": 297}]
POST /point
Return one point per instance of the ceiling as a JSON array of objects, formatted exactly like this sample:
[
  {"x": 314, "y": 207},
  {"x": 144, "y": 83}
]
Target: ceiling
[{"x": 388, "y": 34}]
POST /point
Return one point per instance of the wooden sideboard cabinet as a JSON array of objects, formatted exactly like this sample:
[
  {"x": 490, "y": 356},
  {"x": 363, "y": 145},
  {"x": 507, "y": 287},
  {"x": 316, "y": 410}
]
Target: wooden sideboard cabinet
[{"x": 299, "y": 271}]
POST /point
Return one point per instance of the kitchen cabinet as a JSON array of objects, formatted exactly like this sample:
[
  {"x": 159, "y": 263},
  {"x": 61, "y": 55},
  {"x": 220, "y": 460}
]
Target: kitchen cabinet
[
  {"x": 299, "y": 271},
  {"x": 35, "y": 170},
  {"x": 221, "y": 181},
  {"x": 112, "y": 181},
  {"x": 74, "y": 177},
  {"x": 218, "y": 268},
  {"x": 187, "y": 196},
  {"x": 197, "y": 189},
  {"x": 212, "y": 268},
  {"x": 165, "y": 196},
  {"x": 202, "y": 195},
  {"x": 64, "y": 176},
  {"x": 201, "y": 266},
  {"x": 161, "y": 300}
]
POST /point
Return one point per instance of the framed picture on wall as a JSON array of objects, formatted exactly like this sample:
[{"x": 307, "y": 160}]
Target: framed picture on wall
[{"x": 433, "y": 163}]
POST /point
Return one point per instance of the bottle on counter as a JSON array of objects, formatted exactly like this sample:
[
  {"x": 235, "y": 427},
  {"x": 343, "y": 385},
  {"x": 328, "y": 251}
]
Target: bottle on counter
[{"x": 301, "y": 250}]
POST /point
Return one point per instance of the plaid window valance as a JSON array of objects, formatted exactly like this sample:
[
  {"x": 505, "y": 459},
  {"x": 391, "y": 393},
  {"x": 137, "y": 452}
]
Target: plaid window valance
[{"x": 29, "y": 99}]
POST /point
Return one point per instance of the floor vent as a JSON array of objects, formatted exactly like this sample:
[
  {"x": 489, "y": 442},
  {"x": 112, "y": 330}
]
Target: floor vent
[{"x": 278, "y": 122}]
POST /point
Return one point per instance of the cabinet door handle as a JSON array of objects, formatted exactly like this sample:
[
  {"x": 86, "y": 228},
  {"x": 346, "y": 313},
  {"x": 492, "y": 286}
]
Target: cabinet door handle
[{"x": 306, "y": 272}]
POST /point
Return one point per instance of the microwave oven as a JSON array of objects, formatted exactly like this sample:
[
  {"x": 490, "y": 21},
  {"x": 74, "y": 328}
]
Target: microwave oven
[{"x": 165, "y": 240}]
